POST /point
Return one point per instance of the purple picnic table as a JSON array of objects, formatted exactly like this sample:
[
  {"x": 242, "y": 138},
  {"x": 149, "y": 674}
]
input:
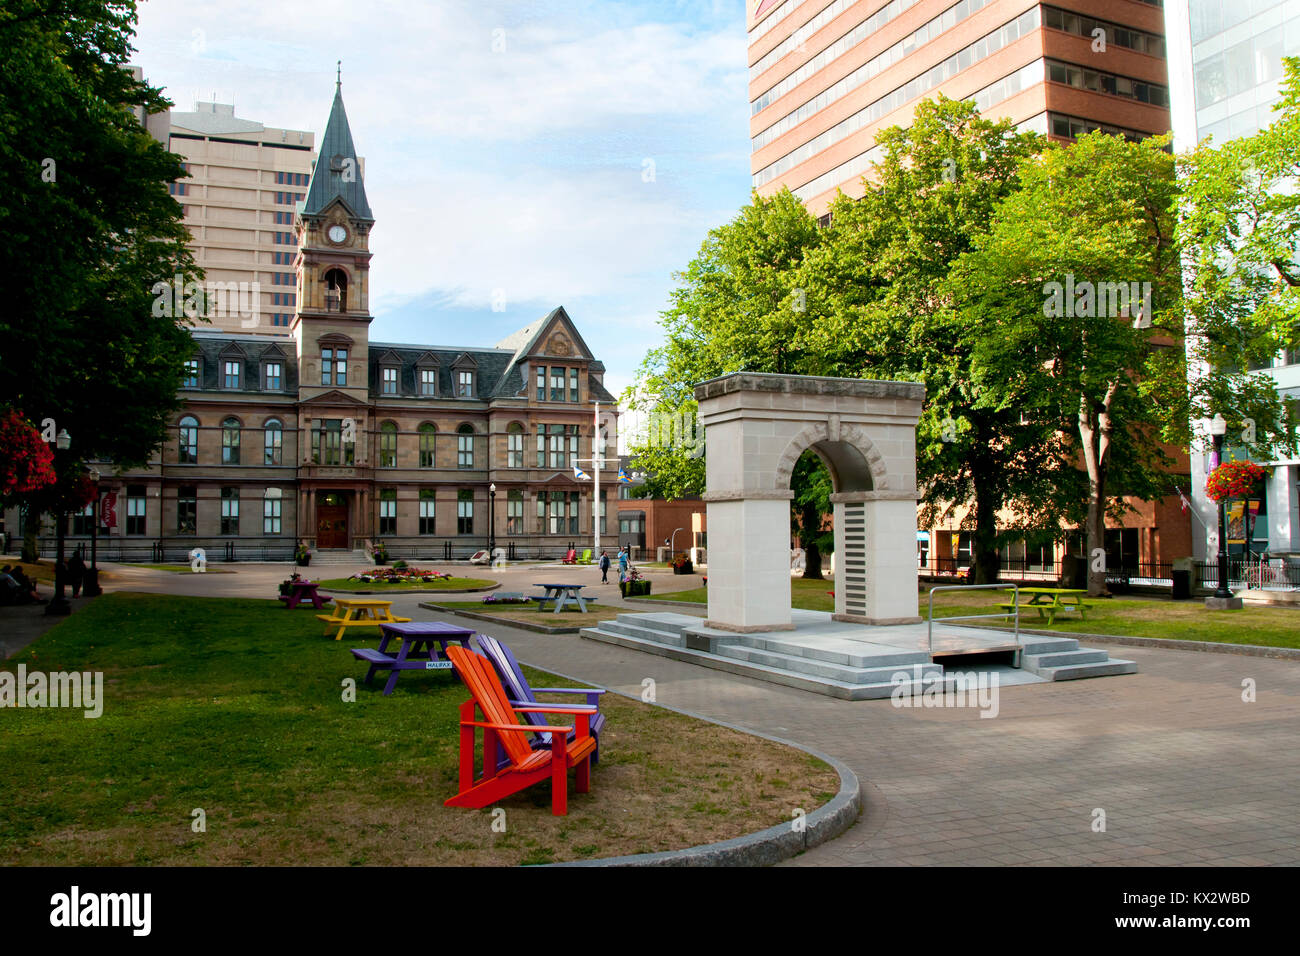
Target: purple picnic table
[
  {"x": 302, "y": 592},
  {"x": 417, "y": 652}
]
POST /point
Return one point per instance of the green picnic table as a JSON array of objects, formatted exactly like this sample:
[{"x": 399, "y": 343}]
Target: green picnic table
[{"x": 1050, "y": 602}]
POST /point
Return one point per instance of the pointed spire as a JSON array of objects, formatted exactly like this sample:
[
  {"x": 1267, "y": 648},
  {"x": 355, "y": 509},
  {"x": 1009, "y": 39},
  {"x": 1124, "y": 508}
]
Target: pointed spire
[{"x": 338, "y": 171}]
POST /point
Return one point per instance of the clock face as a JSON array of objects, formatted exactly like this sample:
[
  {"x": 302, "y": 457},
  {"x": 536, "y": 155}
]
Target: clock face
[{"x": 337, "y": 233}]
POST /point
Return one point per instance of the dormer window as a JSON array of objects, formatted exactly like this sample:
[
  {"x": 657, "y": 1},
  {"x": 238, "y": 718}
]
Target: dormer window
[
  {"x": 272, "y": 376},
  {"x": 192, "y": 373},
  {"x": 230, "y": 374},
  {"x": 464, "y": 384},
  {"x": 388, "y": 380},
  {"x": 428, "y": 381}
]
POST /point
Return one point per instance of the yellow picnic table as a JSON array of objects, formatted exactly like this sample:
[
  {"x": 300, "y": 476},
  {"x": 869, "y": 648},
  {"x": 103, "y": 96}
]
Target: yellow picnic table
[
  {"x": 359, "y": 612},
  {"x": 1050, "y": 602}
]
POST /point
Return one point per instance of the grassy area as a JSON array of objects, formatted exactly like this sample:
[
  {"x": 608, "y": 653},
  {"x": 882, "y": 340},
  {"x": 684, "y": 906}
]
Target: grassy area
[
  {"x": 446, "y": 584},
  {"x": 236, "y": 707},
  {"x": 37, "y": 571},
  {"x": 808, "y": 595},
  {"x": 1141, "y": 617},
  {"x": 569, "y": 617}
]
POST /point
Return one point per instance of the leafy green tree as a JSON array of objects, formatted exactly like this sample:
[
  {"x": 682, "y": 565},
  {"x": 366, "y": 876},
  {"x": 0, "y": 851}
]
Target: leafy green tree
[
  {"x": 877, "y": 287},
  {"x": 1239, "y": 228},
  {"x": 737, "y": 307},
  {"x": 90, "y": 228}
]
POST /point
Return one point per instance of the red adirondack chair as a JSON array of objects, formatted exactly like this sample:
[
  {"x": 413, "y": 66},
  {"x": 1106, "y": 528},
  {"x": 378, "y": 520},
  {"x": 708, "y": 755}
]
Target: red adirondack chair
[{"x": 501, "y": 724}]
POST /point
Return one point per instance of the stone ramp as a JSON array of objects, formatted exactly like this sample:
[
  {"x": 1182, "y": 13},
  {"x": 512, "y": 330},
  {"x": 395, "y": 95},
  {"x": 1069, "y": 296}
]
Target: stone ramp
[{"x": 847, "y": 660}]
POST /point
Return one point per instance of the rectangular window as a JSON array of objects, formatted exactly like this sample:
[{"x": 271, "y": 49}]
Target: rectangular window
[
  {"x": 230, "y": 511},
  {"x": 573, "y": 512},
  {"x": 274, "y": 373},
  {"x": 428, "y": 381},
  {"x": 334, "y": 367},
  {"x": 273, "y": 444},
  {"x": 426, "y": 511},
  {"x": 388, "y": 380},
  {"x": 465, "y": 511},
  {"x": 515, "y": 449},
  {"x": 557, "y": 384},
  {"x": 328, "y": 446},
  {"x": 515, "y": 511},
  {"x": 82, "y": 521},
  {"x": 192, "y": 373},
  {"x": 541, "y": 383},
  {"x": 604, "y": 498},
  {"x": 187, "y": 507},
  {"x": 464, "y": 384},
  {"x": 388, "y": 511},
  {"x": 270, "y": 515},
  {"x": 573, "y": 384},
  {"x": 327, "y": 366},
  {"x": 135, "y": 509},
  {"x": 230, "y": 375},
  {"x": 465, "y": 450}
]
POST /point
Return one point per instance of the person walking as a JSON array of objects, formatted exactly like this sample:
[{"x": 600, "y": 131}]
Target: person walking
[
  {"x": 76, "y": 573},
  {"x": 622, "y": 562},
  {"x": 604, "y": 567}
]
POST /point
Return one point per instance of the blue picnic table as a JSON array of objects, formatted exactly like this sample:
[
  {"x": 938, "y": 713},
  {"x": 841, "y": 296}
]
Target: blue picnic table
[
  {"x": 417, "y": 651},
  {"x": 562, "y": 595}
]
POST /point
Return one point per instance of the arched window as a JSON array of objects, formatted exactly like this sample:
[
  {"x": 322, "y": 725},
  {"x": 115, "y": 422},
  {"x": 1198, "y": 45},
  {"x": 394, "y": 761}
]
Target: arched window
[
  {"x": 188, "y": 450},
  {"x": 273, "y": 433},
  {"x": 428, "y": 439},
  {"x": 515, "y": 445},
  {"x": 336, "y": 291},
  {"x": 230, "y": 441},
  {"x": 465, "y": 446},
  {"x": 388, "y": 445}
]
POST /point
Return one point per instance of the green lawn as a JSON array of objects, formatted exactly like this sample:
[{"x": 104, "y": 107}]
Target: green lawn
[
  {"x": 446, "y": 584},
  {"x": 569, "y": 617},
  {"x": 235, "y": 707},
  {"x": 1130, "y": 617},
  {"x": 808, "y": 595}
]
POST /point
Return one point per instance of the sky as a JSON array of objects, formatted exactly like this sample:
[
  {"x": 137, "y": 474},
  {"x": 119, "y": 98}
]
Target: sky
[{"x": 518, "y": 155}]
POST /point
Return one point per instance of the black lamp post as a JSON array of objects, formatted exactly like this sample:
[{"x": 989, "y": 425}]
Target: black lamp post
[
  {"x": 492, "y": 521},
  {"x": 91, "y": 587},
  {"x": 1219, "y": 428},
  {"x": 59, "y": 603}
]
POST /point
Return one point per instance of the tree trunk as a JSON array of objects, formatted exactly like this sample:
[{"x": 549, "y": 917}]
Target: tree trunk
[
  {"x": 812, "y": 567},
  {"x": 986, "y": 559},
  {"x": 31, "y": 524},
  {"x": 1095, "y": 436},
  {"x": 810, "y": 522}
]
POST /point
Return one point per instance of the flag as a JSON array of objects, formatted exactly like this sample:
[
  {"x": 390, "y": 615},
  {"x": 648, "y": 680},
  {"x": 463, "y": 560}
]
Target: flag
[
  {"x": 580, "y": 474},
  {"x": 1183, "y": 503},
  {"x": 623, "y": 479}
]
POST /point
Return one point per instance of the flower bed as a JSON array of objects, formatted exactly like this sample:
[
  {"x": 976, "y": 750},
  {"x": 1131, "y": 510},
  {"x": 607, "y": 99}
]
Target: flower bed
[
  {"x": 506, "y": 599},
  {"x": 406, "y": 575}
]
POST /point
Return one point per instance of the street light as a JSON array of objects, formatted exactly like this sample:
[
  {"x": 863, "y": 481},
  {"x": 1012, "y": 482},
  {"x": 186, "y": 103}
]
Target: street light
[
  {"x": 59, "y": 603},
  {"x": 91, "y": 587},
  {"x": 1218, "y": 429},
  {"x": 492, "y": 521},
  {"x": 672, "y": 545}
]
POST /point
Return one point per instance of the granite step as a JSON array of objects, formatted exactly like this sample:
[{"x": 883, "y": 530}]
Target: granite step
[
  {"x": 1106, "y": 668},
  {"x": 799, "y": 664},
  {"x": 845, "y": 652}
]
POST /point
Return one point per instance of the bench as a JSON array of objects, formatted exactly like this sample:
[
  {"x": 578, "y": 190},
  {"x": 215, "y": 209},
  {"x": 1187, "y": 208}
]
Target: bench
[
  {"x": 543, "y": 599},
  {"x": 286, "y": 598},
  {"x": 1049, "y": 611}
]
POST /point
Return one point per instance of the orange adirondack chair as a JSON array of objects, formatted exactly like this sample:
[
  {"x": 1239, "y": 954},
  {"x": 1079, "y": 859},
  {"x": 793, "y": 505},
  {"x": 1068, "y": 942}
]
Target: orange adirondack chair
[{"x": 501, "y": 723}]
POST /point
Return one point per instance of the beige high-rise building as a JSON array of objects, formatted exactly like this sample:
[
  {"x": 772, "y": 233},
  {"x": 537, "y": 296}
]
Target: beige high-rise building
[{"x": 246, "y": 181}]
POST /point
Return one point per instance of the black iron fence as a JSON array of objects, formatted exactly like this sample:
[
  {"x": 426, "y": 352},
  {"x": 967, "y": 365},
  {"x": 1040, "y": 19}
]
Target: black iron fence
[{"x": 1265, "y": 573}]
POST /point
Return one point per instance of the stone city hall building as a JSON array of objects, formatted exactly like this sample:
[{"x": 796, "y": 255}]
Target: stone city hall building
[{"x": 323, "y": 437}]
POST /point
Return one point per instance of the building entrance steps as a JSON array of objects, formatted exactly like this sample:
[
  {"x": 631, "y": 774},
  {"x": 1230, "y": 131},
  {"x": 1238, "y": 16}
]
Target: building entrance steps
[{"x": 853, "y": 661}]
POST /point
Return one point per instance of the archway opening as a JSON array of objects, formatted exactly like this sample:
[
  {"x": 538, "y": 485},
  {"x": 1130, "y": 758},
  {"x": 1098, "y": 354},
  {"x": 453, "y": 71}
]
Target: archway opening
[{"x": 822, "y": 469}]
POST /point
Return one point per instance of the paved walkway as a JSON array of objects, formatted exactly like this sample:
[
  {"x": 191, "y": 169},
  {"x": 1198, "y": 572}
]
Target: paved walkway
[{"x": 1184, "y": 770}]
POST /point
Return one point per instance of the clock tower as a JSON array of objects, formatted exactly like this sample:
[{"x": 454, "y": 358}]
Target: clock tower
[{"x": 332, "y": 323}]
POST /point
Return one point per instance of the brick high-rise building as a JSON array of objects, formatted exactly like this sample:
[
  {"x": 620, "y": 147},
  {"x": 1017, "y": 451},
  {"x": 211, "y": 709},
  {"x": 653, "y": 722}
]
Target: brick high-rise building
[{"x": 826, "y": 75}]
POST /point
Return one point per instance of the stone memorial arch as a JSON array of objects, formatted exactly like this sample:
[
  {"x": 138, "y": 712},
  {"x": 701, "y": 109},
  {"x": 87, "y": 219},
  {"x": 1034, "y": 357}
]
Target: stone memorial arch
[{"x": 756, "y": 427}]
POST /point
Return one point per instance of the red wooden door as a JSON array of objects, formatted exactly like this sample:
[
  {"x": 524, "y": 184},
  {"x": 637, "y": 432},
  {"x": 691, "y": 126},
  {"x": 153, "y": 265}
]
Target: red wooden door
[{"x": 331, "y": 526}]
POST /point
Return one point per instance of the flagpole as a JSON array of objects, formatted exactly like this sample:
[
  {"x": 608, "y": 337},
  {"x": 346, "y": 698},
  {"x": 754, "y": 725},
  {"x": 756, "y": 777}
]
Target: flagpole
[{"x": 597, "y": 462}]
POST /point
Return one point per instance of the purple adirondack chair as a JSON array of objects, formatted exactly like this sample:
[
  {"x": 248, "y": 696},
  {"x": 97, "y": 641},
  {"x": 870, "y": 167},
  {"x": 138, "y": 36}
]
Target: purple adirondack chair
[{"x": 516, "y": 685}]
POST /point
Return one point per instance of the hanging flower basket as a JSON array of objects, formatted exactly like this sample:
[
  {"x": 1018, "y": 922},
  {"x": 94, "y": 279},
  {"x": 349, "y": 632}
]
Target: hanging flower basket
[{"x": 1234, "y": 479}]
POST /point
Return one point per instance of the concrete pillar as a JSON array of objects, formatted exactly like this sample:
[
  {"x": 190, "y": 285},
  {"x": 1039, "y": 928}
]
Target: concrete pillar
[{"x": 749, "y": 578}]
